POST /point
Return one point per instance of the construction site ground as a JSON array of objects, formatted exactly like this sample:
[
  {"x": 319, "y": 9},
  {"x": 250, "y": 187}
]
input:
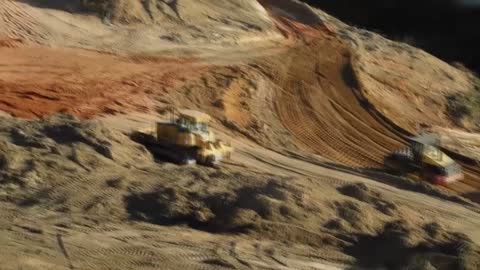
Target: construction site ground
[{"x": 312, "y": 109}]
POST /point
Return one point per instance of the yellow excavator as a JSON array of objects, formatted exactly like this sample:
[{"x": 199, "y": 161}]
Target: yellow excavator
[
  {"x": 185, "y": 139},
  {"x": 424, "y": 159}
]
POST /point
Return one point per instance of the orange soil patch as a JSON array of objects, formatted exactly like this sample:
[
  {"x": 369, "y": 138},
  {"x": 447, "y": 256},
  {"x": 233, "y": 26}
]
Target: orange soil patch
[
  {"x": 10, "y": 42},
  {"x": 37, "y": 81}
]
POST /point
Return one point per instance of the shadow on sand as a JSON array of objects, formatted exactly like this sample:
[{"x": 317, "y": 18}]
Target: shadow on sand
[{"x": 72, "y": 6}]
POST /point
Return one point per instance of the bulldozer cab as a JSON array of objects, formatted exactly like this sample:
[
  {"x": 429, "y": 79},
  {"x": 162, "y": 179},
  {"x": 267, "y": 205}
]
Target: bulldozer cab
[
  {"x": 193, "y": 121},
  {"x": 432, "y": 152},
  {"x": 426, "y": 152},
  {"x": 425, "y": 145}
]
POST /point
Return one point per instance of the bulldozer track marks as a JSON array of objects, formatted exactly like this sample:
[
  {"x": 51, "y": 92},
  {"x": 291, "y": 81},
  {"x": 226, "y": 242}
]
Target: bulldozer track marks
[
  {"x": 336, "y": 182},
  {"x": 126, "y": 257},
  {"x": 19, "y": 20},
  {"x": 332, "y": 118},
  {"x": 62, "y": 247},
  {"x": 326, "y": 117}
]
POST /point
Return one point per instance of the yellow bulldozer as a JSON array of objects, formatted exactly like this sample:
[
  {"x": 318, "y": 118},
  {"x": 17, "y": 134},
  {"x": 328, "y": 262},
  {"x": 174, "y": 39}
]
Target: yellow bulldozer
[
  {"x": 185, "y": 139},
  {"x": 425, "y": 160}
]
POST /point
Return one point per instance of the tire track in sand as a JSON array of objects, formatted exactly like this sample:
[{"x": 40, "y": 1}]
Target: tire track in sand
[{"x": 318, "y": 106}]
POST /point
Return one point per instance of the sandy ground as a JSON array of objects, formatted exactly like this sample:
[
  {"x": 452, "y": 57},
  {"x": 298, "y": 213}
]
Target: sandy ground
[{"x": 311, "y": 108}]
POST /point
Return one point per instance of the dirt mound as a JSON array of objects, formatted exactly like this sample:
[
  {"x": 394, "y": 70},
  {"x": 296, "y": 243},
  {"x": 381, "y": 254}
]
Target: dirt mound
[
  {"x": 389, "y": 71},
  {"x": 184, "y": 11},
  {"x": 362, "y": 193},
  {"x": 138, "y": 27},
  {"x": 39, "y": 157},
  {"x": 283, "y": 209},
  {"x": 65, "y": 165},
  {"x": 248, "y": 13},
  {"x": 236, "y": 210}
]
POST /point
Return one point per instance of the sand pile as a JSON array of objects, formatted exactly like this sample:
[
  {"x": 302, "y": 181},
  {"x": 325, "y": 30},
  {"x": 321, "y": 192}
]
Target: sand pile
[
  {"x": 183, "y": 11},
  {"x": 362, "y": 193},
  {"x": 132, "y": 26},
  {"x": 45, "y": 161},
  {"x": 232, "y": 210}
]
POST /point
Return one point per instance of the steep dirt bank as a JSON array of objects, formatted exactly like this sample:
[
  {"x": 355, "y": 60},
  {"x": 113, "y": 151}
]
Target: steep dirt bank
[
  {"x": 448, "y": 31},
  {"x": 408, "y": 85},
  {"x": 388, "y": 76}
]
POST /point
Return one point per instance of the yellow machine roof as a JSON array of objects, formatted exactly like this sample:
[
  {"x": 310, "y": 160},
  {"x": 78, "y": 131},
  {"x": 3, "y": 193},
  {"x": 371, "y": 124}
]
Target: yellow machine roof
[
  {"x": 195, "y": 116},
  {"x": 435, "y": 156}
]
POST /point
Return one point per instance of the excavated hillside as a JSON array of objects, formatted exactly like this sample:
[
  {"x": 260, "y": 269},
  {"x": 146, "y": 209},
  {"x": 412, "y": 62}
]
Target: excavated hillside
[{"x": 312, "y": 106}]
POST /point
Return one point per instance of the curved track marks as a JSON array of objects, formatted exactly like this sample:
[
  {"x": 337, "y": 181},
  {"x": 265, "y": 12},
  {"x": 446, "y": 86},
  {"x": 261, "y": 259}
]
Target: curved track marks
[
  {"x": 318, "y": 106},
  {"x": 318, "y": 103}
]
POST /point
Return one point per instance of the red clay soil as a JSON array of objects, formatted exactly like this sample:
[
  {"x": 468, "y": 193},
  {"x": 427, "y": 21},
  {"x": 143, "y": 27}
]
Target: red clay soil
[
  {"x": 11, "y": 42},
  {"x": 38, "y": 81}
]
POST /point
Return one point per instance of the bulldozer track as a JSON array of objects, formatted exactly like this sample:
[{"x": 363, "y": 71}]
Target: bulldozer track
[{"x": 179, "y": 253}]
